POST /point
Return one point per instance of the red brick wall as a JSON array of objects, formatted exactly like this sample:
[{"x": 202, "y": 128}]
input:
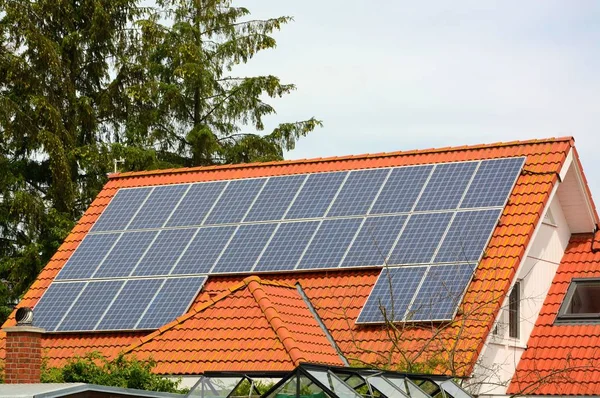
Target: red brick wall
[{"x": 23, "y": 356}]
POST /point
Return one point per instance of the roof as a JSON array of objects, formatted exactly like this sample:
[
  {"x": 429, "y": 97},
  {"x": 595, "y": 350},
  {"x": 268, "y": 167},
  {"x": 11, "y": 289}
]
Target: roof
[
  {"x": 338, "y": 296},
  {"x": 565, "y": 357},
  {"x": 51, "y": 390}
]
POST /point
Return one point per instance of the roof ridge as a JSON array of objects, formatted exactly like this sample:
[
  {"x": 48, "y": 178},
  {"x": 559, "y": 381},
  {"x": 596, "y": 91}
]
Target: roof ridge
[
  {"x": 115, "y": 176},
  {"x": 274, "y": 319}
]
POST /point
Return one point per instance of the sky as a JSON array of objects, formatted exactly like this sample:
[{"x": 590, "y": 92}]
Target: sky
[{"x": 398, "y": 75}]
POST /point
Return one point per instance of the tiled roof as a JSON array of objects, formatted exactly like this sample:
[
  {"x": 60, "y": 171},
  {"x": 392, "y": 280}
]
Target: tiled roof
[
  {"x": 563, "y": 359},
  {"x": 338, "y": 296}
]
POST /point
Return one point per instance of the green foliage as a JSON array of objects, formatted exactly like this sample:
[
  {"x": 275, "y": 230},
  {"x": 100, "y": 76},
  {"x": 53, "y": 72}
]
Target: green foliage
[
  {"x": 83, "y": 83},
  {"x": 123, "y": 372}
]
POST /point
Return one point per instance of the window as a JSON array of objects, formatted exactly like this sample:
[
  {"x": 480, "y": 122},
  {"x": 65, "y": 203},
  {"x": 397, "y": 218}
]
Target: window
[
  {"x": 582, "y": 301},
  {"x": 514, "y": 311}
]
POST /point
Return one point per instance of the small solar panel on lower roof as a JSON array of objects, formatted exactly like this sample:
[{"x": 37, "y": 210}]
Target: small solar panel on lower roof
[
  {"x": 164, "y": 252},
  {"x": 467, "y": 236},
  {"x": 128, "y": 307},
  {"x": 244, "y": 249},
  {"x": 358, "y": 192},
  {"x": 125, "y": 254},
  {"x": 121, "y": 209},
  {"x": 330, "y": 243},
  {"x": 446, "y": 187},
  {"x": 420, "y": 238},
  {"x": 401, "y": 189},
  {"x": 316, "y": 195},
  {"x": 392, "y": 294},
  {"x": 158, "y": 206},
  {"x": 374, "y": 241},
  {"x": 275, "y": 198},
  {"x": 90, "y": 306},
  {"x": 204, "y": 250},
  {"x": 286, "y": 246},
  {"x": 55, "y": 303},
  {"x": 88, "y": 256},
  {"x": 171, "y": 301},
  {"x": 441, "y": 291},
  {"x": 500, "y": 174},
  {"x": 196, "y": 204},
  {"x": 235, "y": 201}
]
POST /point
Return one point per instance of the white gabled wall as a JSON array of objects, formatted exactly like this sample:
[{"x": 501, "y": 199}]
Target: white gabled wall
[{"x": 501, "y": 354}]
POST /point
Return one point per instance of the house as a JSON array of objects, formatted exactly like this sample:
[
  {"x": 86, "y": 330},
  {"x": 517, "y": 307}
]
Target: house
[{"x": 475, "y": 261}]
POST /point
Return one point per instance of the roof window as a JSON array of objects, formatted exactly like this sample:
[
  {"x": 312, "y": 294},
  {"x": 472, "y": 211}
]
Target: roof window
[{"x": 582, "y": 301}]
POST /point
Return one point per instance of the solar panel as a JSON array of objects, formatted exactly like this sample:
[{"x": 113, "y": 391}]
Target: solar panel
[
  {"x": 374, "y": 241},
  {"x": 164, "y": 252},
  {"x": 401, "y": 190},
  {"x": 468, "y": 236},
  {"x": 316, "y": 195},
  {"x": 392, "y": 294},
  {"x": 196, "y": 204},
  {"x": 441, "y": 291},
  {"x": 330, "y": 243},
  {"x": 235, "y": 201},
  {"x": 286, "y": 246},
  {"x": 158, "y": 207},
  {"x": 125, "y": 254},
  {"x": 245, "y": 247},
  {"x": 204, "y": 250},
  {"x": 121, "y": 209},
  {"x": 446, "y": 187},
  {"x": 55, "y": 303},
  {"x": 420, "y": 238},
  {"x": 275, "y": 198},
  {"x": 89, "y": 255},
  {"x": 172, "y": 300},
  {"x": 359, "y": 191},
  {"x": 499, "y": 174},
  {"x": 90, "y": 306},
  {"x": 130, "y": 304}
]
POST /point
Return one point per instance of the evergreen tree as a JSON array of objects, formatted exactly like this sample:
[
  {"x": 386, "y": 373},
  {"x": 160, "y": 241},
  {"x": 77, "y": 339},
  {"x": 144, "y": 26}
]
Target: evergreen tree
[{"x": 85, "y": 82}]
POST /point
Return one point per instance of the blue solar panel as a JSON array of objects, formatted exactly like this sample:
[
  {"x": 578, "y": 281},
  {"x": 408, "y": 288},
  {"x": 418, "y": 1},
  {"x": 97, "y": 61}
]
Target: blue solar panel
[
  {"x": 158, "y": 207},
  {"x": 330, "y": 243},
  {"x": 164, "y": 252},
  {"x": 204, "y": 250},
  {"x": 420, "y": 238},
  {"x": 359, "y": 191},
  {"x": 235, "y": 201},
  {"x": 196, "y": 204},
  {"x": 88, "y": 256},
  {"x": 391, "y": 295},
  {"x": 493, "y": 182},
  {"x": 90, "y": 306},
  {"x": 287, "y": 245},
  {"x": 245, "y": 247},
  {"x": 275, "y": 198},
  {"x": 130, "y": 304},
  {"x": 401, "y": 190},
  {"x": 441, "y": 291},
  {"x": 125, "y": 254},
  {"x": 173, "y": 299},
  {"x": 55, "y": 303},
  {"x": 446, "y": 186},
  {"x": 374, "y": 241},
  {"x": 316, "y": 195},
  {"x": 468, "y": 236},
  {"x": 121, "y": 209}
]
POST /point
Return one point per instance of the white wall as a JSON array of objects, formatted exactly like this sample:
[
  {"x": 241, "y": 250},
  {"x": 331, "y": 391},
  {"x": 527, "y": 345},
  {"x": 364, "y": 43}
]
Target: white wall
[{"x": 501, "y": 354}]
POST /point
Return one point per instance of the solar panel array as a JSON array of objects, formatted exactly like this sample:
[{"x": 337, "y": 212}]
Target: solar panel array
[{"x": 414, "y": 218}]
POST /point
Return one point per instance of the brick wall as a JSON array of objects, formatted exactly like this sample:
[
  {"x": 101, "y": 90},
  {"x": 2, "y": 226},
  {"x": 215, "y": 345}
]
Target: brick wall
[{"x": 23, "y": 354}]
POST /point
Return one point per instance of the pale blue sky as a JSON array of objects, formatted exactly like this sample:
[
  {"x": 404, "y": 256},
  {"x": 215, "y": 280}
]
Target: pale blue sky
[{"x": 399, "y": 75}]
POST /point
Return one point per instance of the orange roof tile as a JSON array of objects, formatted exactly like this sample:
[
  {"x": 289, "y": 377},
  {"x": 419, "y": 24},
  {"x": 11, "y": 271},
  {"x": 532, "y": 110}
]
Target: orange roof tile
[
  {"x": 338, "y": 296},
  {"x": 563, "y": 359}
]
